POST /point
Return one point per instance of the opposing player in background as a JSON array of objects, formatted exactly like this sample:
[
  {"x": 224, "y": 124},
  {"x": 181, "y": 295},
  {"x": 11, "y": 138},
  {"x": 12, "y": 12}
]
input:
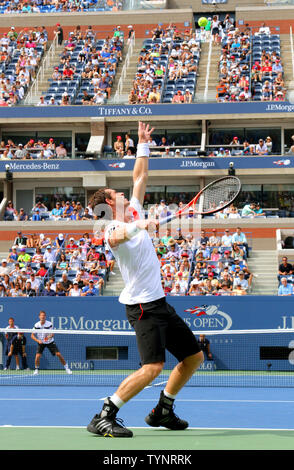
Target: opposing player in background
[
  {"x": 157, "y": 326},
  {"x": 46, "y": 340}
]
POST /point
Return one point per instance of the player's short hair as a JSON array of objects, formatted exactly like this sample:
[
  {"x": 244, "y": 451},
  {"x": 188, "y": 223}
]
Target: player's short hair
[
  {"x": 99, "y": 197},
  {"x": 42, "y": 311}
]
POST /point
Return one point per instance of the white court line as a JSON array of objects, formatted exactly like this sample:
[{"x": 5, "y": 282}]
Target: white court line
[
  {"x": 152, "y": 429},
  {"x": 149, "y": 399},
  {"x": 50, "y": 399}
]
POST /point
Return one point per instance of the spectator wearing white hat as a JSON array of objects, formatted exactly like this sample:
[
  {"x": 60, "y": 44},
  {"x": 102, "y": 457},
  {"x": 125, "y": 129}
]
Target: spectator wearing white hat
[
  {"x": 4, "y": 268},
  {"x": 99, "y": 97},
  {"x": 44, "y": 241},
  {"x": 59, "y": 241},
  {"x": 75, "y": 291},
  {"x": 20, "y": 152},
  {"x": 131, "y": 33},
  {"x": 167, "y": 153}
]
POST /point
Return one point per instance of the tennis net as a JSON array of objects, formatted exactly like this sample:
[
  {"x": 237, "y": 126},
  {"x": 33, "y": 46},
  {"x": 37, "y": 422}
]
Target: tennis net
[{"x": 247, "y": 358}]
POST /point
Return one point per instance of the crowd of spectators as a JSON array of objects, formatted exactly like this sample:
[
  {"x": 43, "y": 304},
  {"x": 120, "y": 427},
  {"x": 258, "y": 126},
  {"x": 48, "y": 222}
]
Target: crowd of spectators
[
  {"x": 249, "y": 210},
  {"x": 74, "y": 210},
  {"x": 63, "y": 210},
  {"x": 214, "y": 265},
  {"x": 162, "y": 210},
  {"x": 167, "y": 67},
  {"x": 237, "y": 147},
  {"x": 250, "y": 65},
  {"x": 21, "y": 53},
  {"x": 42, "y": 265},
  {"x": 87, "y": 69},
  {"x": 32, "y": 150},
  {"x": 39, "y": 265},
  {"x": 57, "y": 6},
  {"x": 125, "y": 147}
]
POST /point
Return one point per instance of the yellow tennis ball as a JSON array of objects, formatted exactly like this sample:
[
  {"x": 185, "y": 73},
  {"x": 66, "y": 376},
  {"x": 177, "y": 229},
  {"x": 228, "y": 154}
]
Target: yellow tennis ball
[{"x": 202, "y": 22}]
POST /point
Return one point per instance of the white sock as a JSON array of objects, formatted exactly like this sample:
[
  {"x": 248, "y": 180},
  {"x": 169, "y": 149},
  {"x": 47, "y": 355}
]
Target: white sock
[
  {"x": 117, "y": 401},
  {"x": 169, "y": 395}
]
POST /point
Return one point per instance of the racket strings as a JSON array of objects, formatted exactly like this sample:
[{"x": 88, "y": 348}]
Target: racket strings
[{"x": 219, "y": 195}]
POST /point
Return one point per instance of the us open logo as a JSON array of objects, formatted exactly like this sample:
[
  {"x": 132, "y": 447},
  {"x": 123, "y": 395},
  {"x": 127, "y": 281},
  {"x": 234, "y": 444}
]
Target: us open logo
[
  {"x": 209, "y": 317},
  {"x": 117, "y": 165}
]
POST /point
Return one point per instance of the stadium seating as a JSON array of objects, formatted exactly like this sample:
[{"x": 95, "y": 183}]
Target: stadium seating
[
  {"x": 88, "y": 59},
  {"x": 205, "y": 268},
  {"x": 56, "y": 7},
  {"x": 21, "y": 55},
  {"x": 262, "y": 55},
  {"x": 21, "y": 264},
  {"x": 161, "y": 54}
]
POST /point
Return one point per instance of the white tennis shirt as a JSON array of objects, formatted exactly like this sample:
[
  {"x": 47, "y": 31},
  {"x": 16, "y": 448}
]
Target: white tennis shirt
[
  {"x": 138, "y": 264},
  {"x": 44, "y": 337}
]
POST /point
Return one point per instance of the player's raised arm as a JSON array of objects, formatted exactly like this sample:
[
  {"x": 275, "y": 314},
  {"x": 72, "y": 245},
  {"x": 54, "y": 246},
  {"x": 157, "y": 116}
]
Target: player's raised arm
[{"x": 140, "y": 173}]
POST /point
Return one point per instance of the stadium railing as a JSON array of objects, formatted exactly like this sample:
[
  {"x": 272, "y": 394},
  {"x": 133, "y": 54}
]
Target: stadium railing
[
  {"x": 118, "y": 93},
  {"x": 34, "y": 88}
]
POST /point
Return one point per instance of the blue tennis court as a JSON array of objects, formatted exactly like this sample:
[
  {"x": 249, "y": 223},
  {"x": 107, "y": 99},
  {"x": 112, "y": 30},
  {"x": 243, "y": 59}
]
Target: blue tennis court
[{"x": 238, "y": 417}]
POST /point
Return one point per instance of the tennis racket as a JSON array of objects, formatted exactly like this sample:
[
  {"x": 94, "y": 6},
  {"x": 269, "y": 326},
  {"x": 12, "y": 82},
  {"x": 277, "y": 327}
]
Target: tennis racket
[{"x": 215, "y": 197}]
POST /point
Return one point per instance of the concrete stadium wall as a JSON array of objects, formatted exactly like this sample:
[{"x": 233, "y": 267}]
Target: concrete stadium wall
[
  {"x": 282, "y": 16},
  {"x": 103, "y": 22},
  {"x": 197, "y": 5}
]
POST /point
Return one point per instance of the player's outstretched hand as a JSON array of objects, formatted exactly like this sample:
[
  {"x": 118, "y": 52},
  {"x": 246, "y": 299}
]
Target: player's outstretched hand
[{"x": 144, "y": 132}]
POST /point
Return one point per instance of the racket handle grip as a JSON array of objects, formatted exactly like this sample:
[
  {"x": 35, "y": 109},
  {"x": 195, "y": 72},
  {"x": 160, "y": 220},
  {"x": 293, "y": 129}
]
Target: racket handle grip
[{"x": 168, "y": 219}]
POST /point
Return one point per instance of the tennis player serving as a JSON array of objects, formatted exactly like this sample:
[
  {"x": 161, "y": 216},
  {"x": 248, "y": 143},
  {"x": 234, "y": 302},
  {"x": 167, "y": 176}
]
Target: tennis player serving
[{"x": 157, "y": 326}]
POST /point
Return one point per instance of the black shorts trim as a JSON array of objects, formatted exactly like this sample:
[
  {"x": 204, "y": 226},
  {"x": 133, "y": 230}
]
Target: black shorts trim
[
  {"x": 51, "y": 346},
  {"x": 158, "y": 328}
]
